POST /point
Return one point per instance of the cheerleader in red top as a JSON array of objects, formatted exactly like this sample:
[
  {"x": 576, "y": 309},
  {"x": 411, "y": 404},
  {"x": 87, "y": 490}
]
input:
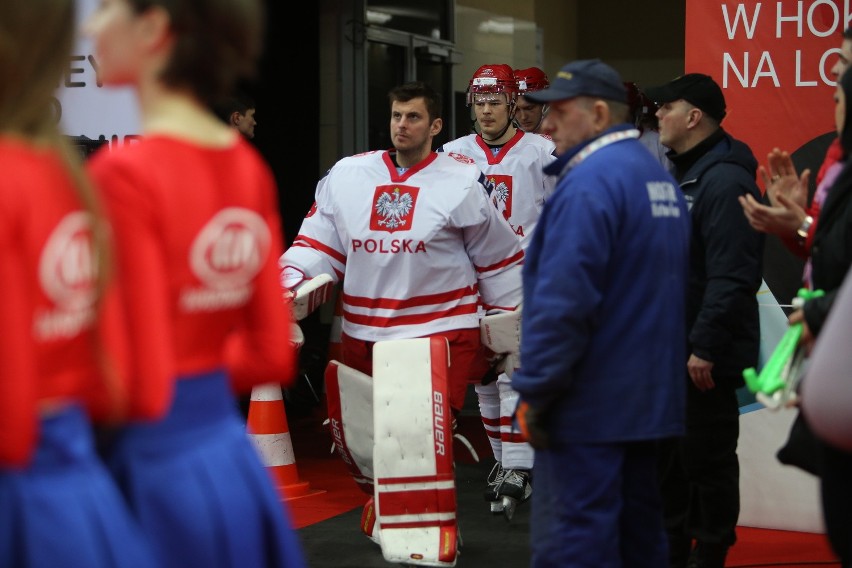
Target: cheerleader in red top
[
  {"x": 59, "y": 506},
  {"x": 194, "y": 212}
]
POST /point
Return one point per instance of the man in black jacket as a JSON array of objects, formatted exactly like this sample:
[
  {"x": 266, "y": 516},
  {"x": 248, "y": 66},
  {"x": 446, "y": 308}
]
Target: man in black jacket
[{"x": 700, "y": 472}]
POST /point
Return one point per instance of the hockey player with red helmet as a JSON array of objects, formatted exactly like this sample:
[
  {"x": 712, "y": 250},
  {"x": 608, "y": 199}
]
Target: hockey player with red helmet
[
  {"x": 642, "y": 114},
  {"x": 512, "y": 160},
  {"x": 529, "y": 115}
]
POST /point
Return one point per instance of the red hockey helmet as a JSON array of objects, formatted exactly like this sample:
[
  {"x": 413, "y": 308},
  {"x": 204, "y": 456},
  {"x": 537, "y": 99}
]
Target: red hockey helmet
[
  {"x": 634, "y": 99},
  {"x": 493, "y": 79},
  {"x": 642, "y": 109},
  {"x": 530, "y": 80}
]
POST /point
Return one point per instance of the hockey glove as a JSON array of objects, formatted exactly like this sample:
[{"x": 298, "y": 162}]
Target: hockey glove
[
  {"x": 533, "y": 424},
  {"x": 489, "y": 377},
  {"x": 297, "y": 338},
  {"x": 307, "y": 296}
]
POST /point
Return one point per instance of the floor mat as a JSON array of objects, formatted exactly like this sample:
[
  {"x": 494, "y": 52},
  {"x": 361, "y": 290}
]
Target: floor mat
[{"x": 328, "y": 519}]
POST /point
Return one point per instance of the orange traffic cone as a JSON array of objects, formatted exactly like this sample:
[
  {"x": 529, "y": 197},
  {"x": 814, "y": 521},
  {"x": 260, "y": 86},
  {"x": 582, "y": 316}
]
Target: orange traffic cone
[
  {"x": 267, "y": 428},
  {"x": 335, "y": 346}
]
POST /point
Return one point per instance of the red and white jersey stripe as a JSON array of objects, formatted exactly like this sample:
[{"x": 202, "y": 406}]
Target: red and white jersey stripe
[{"x": 422, "y": 251}]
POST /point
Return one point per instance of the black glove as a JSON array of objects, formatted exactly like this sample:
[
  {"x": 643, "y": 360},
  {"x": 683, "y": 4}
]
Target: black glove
[
  {"x": 489, "y": 377},
  {"x": 533, "y": 424}
]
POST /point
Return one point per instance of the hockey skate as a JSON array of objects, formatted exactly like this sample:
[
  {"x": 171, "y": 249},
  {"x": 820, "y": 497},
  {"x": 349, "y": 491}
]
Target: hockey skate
[
  {"x": 513, "y": 489},
  {"x": 495, "y": 478}
]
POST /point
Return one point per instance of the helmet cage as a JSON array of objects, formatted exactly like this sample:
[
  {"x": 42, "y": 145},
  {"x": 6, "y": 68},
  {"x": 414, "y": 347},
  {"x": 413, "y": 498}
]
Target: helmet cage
[
  {"x": 493, "y": 79},
  {"x": 490, "y": 85}
]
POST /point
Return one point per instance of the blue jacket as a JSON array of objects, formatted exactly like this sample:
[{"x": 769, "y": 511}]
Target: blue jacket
[{"x": 603, "y": 326}]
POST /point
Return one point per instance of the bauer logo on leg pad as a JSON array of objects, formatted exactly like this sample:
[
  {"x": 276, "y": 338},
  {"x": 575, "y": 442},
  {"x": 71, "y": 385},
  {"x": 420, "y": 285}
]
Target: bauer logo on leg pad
[{"x": 415, "y": 492}]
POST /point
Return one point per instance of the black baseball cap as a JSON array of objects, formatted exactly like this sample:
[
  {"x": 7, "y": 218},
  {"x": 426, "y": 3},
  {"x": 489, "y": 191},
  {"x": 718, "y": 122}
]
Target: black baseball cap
[
  {"x": 697, "y": 89},
  {"x": 584, "y": 77}
]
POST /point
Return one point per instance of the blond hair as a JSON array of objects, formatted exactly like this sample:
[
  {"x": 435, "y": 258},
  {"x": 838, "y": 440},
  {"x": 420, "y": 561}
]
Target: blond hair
[{"x": 36, "y": 39}]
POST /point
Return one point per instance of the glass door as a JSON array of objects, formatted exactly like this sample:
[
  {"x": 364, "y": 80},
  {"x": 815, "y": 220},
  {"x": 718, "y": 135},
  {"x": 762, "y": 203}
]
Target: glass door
[{"x": 394, "y": 57}]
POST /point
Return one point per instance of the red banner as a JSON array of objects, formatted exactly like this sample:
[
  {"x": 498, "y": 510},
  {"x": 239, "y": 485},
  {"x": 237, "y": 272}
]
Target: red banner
[{"x": 773, "y": 61}]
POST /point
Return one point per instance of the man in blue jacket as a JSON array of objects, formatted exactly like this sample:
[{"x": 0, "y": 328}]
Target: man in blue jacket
[
  {"x": 602, "y": 332},
  {"x": 700, "y": 472}
]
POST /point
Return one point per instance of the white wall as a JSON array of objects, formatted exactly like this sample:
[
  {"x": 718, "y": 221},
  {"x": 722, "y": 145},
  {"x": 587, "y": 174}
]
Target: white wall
[
  {"x": 772, "y": 495},
  {"x": 89, "y": 110}
]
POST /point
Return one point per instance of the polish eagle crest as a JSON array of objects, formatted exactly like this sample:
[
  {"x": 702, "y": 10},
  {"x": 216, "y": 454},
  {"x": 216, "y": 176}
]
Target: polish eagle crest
[
  {"x": 393, "y": 207},
  {"x": 501, "y": 191},
  {"x": 500, "y": 196}
]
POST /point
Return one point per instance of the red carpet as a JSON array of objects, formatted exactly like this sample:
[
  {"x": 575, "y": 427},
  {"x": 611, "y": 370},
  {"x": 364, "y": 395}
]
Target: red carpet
[
  {"x": 332, "y": 489},
  {"x": 333, "y": 492},
  {"x": 340, "y": 493},
  {"x": 771, "y": 548}
]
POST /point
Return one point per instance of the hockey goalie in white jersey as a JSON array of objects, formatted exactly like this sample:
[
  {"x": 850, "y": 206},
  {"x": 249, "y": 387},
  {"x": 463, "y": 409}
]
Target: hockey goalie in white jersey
[{"x": 425, "y": 255}]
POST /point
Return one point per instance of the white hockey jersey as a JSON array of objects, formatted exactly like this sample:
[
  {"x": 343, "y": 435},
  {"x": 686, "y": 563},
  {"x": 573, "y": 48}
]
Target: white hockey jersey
[
  {"x": 422, "y": 252},
  {"x": 520, "y": 187}
]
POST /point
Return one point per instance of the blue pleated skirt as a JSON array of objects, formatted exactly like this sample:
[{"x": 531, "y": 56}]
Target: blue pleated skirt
[
  {"x": 198, "y": 487},
  {"x": 64, "y": 509}
]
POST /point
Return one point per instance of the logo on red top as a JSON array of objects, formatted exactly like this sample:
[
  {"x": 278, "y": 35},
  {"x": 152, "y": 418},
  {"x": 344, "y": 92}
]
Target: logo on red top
[
  {"x": 67, "y": 272},
  {"x": 67, "y": 266},
  {"x": 393, "y": 208},
  {"x": 229, "y": 251},
  {"x": 227, "y": 254},
  {"x": 502, "y": 193}
]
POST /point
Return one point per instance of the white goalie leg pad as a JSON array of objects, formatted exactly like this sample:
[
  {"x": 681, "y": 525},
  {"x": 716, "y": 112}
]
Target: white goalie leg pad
[
  {"x": 311, "y": 295},
  {"x": 415, "y": 491},
  {"x": 349, "y": 395},
  {"x": 501, "y": 333}
]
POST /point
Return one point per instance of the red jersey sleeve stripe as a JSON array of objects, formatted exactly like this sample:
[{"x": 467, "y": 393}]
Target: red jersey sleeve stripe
[
  {"x": 503, "y": 308},
  {"x": 503, "y": 263},
  {"x": 303, "y": 241}
]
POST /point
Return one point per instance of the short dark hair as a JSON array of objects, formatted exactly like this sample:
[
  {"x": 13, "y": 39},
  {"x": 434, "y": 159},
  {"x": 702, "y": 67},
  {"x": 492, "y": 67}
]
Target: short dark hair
[
  {"x": 417, "y": 89},
  {"x": 240, "y": 102},
  {"x": 847, "y": 33},
  {"x": 217, "y": 43}
]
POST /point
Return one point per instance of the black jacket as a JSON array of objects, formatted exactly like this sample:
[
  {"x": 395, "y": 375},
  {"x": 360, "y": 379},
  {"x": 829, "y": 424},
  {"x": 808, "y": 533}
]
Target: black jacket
[
  {"x": 726, "y": 254},
  {"x": 831, "y": 251}
]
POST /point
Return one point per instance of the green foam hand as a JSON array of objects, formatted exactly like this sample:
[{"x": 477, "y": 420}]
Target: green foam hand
[{"x": 774, "y": 374}]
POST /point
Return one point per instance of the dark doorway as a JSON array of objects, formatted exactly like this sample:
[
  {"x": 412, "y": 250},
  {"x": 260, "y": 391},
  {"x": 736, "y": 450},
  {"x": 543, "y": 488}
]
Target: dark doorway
[{"x": 287, "y": 96}]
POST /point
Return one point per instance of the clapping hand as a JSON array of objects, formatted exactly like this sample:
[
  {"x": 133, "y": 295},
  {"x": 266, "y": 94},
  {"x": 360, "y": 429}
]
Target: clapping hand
[
  {"x": 788, "y": 195},
  {"x": 781, "y": 181}
]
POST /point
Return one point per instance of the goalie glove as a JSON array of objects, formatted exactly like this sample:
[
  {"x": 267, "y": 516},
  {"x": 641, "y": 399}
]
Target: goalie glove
[
  {"x": 508, "y": 363},
  {"x": 305, "y": 297},
  {"x": 297, "y": 338},
  {"x": 501, "y": 333},
  {"x": 533, "y": 425}
]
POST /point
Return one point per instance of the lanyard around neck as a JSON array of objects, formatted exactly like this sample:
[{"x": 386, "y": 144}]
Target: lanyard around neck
[{"x": 604, "y": 140}]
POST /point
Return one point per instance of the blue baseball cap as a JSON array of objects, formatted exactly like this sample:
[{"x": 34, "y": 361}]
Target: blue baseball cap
[{"x": 584, "y": 77}]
